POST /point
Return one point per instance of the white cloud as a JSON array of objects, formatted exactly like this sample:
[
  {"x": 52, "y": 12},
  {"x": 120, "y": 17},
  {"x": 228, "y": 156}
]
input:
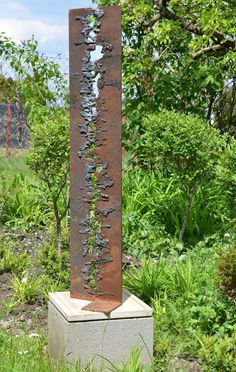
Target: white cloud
[
  {"x": 23, "y": 29},
  {"x": 13, "y": 8},
  {"x": 20, "y": 22}
]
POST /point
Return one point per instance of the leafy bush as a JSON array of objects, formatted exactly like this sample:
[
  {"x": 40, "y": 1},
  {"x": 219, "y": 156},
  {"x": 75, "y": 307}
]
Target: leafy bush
[
  {"x": 49, "y": 158},
  {"x": 56, "y": 265},
  {"x": 219, "y": 354},
  {"x": 227, "y": 271},
  {"x": 183, "y": 145},
  {"x": 142, "y": 237}
]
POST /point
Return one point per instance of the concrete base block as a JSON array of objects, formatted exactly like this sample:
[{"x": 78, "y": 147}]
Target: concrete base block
[{"x": 79, "y": 335}]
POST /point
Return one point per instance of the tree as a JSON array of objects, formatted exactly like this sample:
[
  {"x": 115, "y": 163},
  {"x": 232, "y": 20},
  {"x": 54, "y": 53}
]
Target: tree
[
  {"x": 43, "y": 91},
  {"x": 177, "y": 54},
  {"x": 184, "y": 145},
  {"x": 7, "y": 88},
  {"x": 49, "y": 158}
]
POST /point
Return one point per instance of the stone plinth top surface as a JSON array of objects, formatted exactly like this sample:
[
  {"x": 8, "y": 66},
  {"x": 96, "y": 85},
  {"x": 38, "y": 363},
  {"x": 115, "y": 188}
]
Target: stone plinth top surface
[{"x": 71, "y": 309}]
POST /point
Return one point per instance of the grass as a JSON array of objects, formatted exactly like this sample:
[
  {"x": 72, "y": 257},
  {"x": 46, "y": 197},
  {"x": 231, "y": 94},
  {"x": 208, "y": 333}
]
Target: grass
[
  {"x": 28, "y": 352},
  {"x": 23, "y": 201},
  {"x": 26, "y": 288},
  {"x": 153, "y": 208},
  {"x": 15, "y": 163},
  {"x": 147, "y": 281}
]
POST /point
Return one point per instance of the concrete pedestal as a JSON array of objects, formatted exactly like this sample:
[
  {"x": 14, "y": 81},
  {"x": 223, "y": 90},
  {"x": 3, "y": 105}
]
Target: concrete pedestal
[{"x": 79, "y": 335}]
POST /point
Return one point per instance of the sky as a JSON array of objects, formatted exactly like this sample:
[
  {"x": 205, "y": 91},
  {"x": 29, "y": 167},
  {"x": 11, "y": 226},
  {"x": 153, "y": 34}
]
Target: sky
[{"x": 46, "y": 19}]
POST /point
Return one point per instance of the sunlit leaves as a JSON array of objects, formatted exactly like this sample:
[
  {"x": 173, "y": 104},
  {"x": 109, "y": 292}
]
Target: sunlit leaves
[{"x": 159, "y": 69}]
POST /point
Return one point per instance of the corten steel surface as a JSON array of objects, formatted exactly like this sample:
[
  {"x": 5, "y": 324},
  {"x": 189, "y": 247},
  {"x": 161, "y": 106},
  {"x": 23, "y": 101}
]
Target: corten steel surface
[{"x": 95, "y": 91}]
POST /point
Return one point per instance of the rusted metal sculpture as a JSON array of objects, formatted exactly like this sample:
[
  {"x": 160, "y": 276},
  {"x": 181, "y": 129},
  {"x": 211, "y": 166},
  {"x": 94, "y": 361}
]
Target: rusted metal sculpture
[{"x": 95, "y": 91}]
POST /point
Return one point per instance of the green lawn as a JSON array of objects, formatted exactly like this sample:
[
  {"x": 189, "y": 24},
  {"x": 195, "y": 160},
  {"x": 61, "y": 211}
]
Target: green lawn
[{"x": 15, "y": 163}]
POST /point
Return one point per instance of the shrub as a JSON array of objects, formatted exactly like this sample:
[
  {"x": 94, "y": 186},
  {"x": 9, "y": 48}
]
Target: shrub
[
  {"x": 227, "y": 271},
  {"x": 219, "y": 354},
  {"x": 49, "y": 158},
  {"x": 183, "y": 145},
  {"x": 56, "y": 265}
]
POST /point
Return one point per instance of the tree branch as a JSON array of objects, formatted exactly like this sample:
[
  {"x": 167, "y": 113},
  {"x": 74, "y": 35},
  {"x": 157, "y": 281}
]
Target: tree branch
[
  {"x": 215, "y": 47},
  {"x": 152, "y": 22},
  {"x": 65, "y": 210},
  {"x": 222, "y": 41},
  {"x": 64, "y": 180}
]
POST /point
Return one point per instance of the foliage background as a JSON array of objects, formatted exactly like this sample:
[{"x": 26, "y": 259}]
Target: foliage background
[{"x": 179, "y": 155}]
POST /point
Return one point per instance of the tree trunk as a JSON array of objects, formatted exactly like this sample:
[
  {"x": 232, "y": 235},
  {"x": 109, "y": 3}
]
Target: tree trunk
[
  {"x": 59, "y": 237},
  {"x": 58, "y": 225},
  {"x": 209, "y": 111},
  {"x": 186, "y": 214}
]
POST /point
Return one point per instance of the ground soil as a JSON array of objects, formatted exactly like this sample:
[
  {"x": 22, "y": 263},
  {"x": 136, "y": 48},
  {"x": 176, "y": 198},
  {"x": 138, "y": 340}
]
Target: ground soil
[
  {"x": 24, "y": 317},
  {"x": 186, "y": 365},
  {"x": 28, "y": 317}
]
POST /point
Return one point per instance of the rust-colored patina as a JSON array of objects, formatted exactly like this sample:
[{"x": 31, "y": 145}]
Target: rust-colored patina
[{"x": 95, "y": 91}]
